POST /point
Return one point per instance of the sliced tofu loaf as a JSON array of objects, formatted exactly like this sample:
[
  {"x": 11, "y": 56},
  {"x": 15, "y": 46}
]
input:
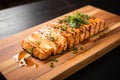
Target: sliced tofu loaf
[{"x": 61, "y": 34}]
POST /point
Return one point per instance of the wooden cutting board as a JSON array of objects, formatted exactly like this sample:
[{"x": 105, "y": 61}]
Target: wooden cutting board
[{"x": 68, "y": 63}]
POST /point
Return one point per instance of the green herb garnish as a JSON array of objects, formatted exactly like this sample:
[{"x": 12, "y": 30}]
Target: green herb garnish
[
  {"x": 50, "y": 34},
  {"x": 77, "y": 20},
  {"x": 31, "y": 51},
  {"x": 51, "y": 37},
  {"x": 52, "y": 62},
  {"x": 52, "y": 65},
  {"x": 75, "y": 50},
  {"x": 63, "y": 28}
]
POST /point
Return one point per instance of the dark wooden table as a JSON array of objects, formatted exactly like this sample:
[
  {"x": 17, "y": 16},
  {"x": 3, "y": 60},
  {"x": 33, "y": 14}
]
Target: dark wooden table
[{"x": 17, "y": 19}]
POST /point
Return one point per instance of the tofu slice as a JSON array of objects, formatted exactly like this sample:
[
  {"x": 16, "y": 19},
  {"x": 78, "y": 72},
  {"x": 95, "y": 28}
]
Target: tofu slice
[
  {"x": 72, "y": 37},
  {"x": 44, "y": 43},
  {"x": 34, "y": 50},
  {"x": 82, "y": 33},
  {"x": 87, "y": 31},
  {"x": 77, "y": 35},
  {"x": 102, "y": 25},
  {"x": 92, "y": 28}
]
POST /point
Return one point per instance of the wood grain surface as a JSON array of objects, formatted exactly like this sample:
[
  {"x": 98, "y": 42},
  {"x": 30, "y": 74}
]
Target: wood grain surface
[{"x": 68, "y": 63}]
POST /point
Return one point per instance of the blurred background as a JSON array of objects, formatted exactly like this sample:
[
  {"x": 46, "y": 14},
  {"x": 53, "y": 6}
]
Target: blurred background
[
  {"x": 11, "y": 3},
  {"x": 106, "y": 4}
]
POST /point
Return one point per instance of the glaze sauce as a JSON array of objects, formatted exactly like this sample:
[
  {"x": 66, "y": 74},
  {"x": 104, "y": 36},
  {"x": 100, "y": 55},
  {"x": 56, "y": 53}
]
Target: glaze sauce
[{"x": 24, "y": 59}]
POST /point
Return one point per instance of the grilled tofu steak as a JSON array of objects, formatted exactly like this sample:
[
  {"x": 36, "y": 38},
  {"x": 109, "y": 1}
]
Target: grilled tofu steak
[{"x": 61, "y": 34}]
